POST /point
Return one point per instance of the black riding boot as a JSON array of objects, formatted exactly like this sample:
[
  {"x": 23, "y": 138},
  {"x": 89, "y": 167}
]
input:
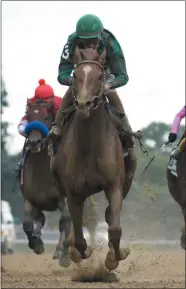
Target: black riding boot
[
  {"x": 55, "y": 132},
  {"x": 126, "y": 139}
]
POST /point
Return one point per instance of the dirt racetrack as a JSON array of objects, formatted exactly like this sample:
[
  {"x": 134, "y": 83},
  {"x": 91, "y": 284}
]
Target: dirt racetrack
[{"x": 144, "y": 268}]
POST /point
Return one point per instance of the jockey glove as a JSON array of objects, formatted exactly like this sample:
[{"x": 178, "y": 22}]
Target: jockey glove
[{"x": 172, "y": 136}]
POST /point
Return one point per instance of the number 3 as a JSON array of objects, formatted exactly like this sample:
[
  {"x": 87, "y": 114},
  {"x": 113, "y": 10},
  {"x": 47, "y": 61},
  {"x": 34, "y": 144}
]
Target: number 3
[{"x": 65, "y": 53}]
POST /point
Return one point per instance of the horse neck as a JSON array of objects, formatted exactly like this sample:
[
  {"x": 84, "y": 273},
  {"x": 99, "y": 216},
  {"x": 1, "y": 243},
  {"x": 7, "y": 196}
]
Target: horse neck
[{"x": 88, "y": 133}]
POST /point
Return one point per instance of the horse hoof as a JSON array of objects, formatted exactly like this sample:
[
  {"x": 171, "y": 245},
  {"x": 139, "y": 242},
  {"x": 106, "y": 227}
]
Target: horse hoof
[
  {"x": 57, "y": 255},
  {"x": 110, "y": 262},
  {"x": 64, "y": 260},
  {"x": 31, "y": 245},
  {"x": 38, "y": 247},
  {"x": 124, "y": 253},
  {"x": 88, "y": 252},
  {"x": 74, "y": 255}
]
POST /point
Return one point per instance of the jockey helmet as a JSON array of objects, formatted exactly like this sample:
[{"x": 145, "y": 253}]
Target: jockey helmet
[
  {"x": 43, "y": 90},
  {"x": 89, "y": 26}
]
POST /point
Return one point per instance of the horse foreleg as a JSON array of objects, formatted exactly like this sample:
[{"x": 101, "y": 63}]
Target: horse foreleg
[
  {"x": 90, "y": 220},
  {"x": 61, "y": 252},
  {"x": 81, "y": 250},
  {"x": 40, "y": 222},
  {"x": 112, "y": 217},
  {"x": 34, "y": 242},
  {"x": 91, "y": 225},
  {"x": 28, "y": 222}
]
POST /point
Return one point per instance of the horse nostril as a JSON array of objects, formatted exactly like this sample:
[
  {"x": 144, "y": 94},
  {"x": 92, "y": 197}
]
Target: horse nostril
[
  {"x": 82, "y": 104},
  {"x": 76, "y": 103},
  {"x": 88, "y": 103},
  {"x": 39, "y": 141}
]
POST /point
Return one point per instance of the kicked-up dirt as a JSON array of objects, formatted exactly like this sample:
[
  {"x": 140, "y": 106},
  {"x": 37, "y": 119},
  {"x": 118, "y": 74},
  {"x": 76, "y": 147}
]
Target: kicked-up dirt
[{"x": 144, "y": 268}]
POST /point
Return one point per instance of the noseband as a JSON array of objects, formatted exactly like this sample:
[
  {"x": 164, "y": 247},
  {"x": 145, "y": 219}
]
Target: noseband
[{"x": 97, "y": 98}]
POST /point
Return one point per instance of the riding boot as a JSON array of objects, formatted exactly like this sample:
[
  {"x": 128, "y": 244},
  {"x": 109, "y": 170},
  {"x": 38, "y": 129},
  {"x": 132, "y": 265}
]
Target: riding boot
[
  {"x": 55, "y": 132},
  {"x": 128, "y": 143},
  {"x": 114, "y": 100}
]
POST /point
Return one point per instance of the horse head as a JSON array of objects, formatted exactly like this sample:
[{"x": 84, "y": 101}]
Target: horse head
[
  {"x": 39, "y": 122},
  {"x": 89, "y": 79}
]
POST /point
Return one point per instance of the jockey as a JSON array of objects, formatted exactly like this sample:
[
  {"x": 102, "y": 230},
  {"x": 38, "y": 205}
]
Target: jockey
[
  {"x": 45, "y": 93},
  {"x": 90, "y": 32},
  {"x": 175, "y": 128}
]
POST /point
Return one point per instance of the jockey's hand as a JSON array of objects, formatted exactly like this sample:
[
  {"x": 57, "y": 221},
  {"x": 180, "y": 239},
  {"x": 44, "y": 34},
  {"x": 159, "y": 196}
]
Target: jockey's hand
[{"x": 172, "y": 137}]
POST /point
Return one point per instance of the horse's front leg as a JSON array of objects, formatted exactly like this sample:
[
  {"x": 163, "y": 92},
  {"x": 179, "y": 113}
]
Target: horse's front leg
[
  {"x": 112, "y": 216},
  {"x": 61, "y": 252},
  {"x": 34, "y": 242},
  {"x": 90, "y": 219},
  {"x": 78, "y": 249},
  {"x": 40, "y": 222}
]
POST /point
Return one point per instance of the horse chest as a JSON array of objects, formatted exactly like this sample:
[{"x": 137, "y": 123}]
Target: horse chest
[
  {"x": 90, "y": 154},
  {"x": 89, "y": 175}
]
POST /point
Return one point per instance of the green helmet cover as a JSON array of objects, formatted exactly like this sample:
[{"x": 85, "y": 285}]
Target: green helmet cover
[{"x": 89, "y": 26}]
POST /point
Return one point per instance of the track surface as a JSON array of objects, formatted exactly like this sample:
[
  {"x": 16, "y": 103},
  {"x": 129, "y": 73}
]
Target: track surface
[{"x": 144, "y": 268}]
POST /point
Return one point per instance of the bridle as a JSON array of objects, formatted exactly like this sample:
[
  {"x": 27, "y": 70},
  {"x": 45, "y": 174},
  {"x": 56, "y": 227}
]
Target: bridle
[
  {"x": 48, "y": 119},
  {"x": 97, "y": 99}
]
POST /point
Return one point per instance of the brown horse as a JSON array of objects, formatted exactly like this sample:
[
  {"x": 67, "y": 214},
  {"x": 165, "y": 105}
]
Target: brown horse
[
  {"x": 177, "y": 185},
  {"x": 37, "y": 184},
  {"x": 90, "y": 159}
]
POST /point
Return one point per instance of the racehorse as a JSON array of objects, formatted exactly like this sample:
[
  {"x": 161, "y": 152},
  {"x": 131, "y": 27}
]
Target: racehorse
[
  {"x": 39, "y": 190},
  {"x": 90, "y": 158},
  {"x": 37, "y": 184},
  {"x": 177, "y": 184}
]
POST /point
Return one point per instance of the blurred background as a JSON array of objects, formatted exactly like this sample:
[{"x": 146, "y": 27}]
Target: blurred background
[{"x": 152, "y": 35}]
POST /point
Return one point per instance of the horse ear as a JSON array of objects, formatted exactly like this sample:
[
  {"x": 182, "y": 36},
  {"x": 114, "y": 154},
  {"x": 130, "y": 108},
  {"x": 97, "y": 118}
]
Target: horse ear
[
  {"x": 50, "y": 103},
  {"x": 102, "y": 57},
  {"x": 28, "y": 101}
]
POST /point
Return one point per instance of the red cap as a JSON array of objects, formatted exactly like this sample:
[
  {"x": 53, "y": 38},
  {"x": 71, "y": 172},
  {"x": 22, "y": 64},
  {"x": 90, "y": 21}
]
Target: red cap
[{"x": 43, "y": 90}]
